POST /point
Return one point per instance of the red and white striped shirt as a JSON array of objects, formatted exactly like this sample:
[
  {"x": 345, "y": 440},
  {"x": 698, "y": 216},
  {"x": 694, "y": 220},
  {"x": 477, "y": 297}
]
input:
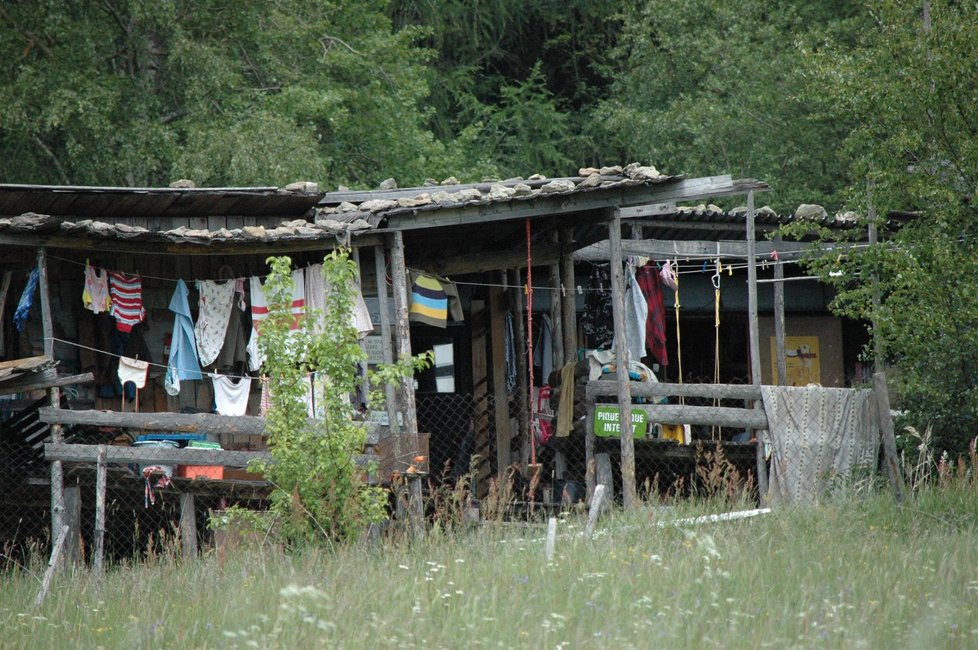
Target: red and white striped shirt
[{"x": 127, "y": 300}]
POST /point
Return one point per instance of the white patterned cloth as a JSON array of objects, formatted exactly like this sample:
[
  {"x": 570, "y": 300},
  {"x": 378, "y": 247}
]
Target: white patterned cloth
[
  {"x": 216, "y": 302},
  {"x": 316, "y": 299},
  {"x": 819, "y": 438}
]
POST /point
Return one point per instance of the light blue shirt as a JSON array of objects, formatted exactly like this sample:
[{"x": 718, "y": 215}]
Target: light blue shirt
[{"x": 184, "y": 364}]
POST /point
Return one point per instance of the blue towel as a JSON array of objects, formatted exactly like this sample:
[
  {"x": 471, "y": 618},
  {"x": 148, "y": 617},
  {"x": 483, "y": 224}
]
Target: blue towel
[{"x": 26, "y": 300}]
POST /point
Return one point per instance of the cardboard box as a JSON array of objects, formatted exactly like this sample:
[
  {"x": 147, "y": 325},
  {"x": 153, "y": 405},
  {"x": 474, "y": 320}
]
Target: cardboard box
[{"x": 212, "y": 472}]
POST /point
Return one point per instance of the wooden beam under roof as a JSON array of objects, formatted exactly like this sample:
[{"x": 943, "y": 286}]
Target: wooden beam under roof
[{"x": 600, "y": 251}]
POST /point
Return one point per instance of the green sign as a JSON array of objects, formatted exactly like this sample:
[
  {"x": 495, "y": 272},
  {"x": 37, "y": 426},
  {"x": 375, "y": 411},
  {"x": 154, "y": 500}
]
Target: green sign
[{"x": 607, "y": 423}]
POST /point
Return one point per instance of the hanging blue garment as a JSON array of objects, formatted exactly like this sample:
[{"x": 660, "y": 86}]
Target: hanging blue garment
[
  {"x": 183, "y": 364},
  {"x": 26, "y": 300}
]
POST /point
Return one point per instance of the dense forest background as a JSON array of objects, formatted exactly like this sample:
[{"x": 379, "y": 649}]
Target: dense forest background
[{"x": 841, "y": 103}]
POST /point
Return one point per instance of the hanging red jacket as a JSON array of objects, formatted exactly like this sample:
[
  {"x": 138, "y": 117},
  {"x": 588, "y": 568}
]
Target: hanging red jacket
[{"x": 650, "y": 283}]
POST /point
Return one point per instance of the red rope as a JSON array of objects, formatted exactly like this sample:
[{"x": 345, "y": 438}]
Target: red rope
[{"x": 529, "y": 339}]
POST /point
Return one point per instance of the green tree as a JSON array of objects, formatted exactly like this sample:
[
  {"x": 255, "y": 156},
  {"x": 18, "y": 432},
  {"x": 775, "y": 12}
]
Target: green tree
[
  {"x": 908, "y": 86},
  {"x": 139, "y": 92},
  {"x": 705, "y": 86}
]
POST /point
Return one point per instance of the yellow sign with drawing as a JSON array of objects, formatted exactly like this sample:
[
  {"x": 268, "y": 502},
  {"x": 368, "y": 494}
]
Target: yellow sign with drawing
[{"x": 801, "y": 359}]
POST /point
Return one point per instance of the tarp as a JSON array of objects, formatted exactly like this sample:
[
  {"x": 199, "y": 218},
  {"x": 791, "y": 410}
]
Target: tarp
[{"x": 820, "y": 438}]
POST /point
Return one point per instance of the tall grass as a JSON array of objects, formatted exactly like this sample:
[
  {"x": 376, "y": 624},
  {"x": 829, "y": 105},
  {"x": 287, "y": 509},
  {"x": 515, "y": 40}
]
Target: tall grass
[{"x": 858, "y": 572}]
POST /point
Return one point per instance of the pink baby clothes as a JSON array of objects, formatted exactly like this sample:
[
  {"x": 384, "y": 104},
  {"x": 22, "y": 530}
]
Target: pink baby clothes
[
  {"x": 95, "y": 295},
  {"x": 127, "y": 300}
]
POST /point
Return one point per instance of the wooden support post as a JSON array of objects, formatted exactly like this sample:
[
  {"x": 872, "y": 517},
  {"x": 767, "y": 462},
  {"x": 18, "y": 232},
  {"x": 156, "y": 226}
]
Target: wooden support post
[
  {"x": 604, "y": 476},
  {"x": 73, "y": 522},
  {"x": 188, "y": 525},
  {"x": 755, "y": 346},
  {"x": 589, "y": 442},
  {"x": 54, "y": 394},
  {"x": 52, "y": 566},
  {"x": 521, "y": 336},
  {"x": 403, "y": 331},
  {"x": 409, "y": 435},
  {"x": 622, "y": 359},
  {"x": 782, "y": 364},
  {"x": 4, "y": 290},
  {"x": 385, "y": 335},
  {"x": 497, "y": 329},
  {"x": 415, "y": 505},
  {"x": 100, "y": 472},
  {"x": 879, "y": 381},
  {"x": 556, "y": 316},
  {"x": 569, "y": 295}
]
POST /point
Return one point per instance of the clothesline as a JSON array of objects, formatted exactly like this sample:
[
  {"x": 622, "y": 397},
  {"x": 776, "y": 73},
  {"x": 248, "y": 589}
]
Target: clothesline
[
  {"x": 119, "y": 356},
  {"x": 164, "y": 279}
]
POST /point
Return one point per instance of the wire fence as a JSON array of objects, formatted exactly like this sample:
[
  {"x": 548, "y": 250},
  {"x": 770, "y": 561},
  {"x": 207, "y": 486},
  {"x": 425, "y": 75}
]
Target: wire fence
[{"x": 147, "y": 475}]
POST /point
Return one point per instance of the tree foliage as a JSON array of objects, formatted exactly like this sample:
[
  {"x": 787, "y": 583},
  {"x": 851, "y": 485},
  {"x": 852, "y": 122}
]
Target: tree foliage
[{"x": 907, "y": 84}]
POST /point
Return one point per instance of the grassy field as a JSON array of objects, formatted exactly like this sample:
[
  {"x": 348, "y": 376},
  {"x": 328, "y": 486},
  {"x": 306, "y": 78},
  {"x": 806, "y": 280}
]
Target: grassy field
[{"x": 856, "y": 573}]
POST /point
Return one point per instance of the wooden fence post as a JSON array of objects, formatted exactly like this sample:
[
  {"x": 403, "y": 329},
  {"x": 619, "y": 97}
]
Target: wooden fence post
[
  {"x": 188, "y": 525},
  {"x": 755, "y": 346},
  {"x": 99, "y": 513},
  {"x": 629, "y": 495}
]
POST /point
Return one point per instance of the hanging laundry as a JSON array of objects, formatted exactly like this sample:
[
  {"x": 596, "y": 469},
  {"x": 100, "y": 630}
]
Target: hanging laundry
[
  {"x": 636, "y": 316},
  {"x": 132, "y": 371},
  {"x": 596, "y": 320},
  {"x": 239, "y": 290},
  {"x": 26, "y": 300},
  {"x": 130, "y": 344},
  {"x": 509, "y": 347},
  {"x": 543, "y": 349},
  {"x": 183, "y": 364},
  {"x": 669, "y": 277},
  {"x": 126, "y": 292},
  {"x": 316, "y": 291},
  {"x": 650, "y": 283},
  {"x": 95, "y": 295},
  {"x": 259, "y": 312},
  {"x": 216, "y": 303},
  {"x": 234, "y": 351},
  {"x": 432, "y": 299},
  {"x": 230, "y": 396}
]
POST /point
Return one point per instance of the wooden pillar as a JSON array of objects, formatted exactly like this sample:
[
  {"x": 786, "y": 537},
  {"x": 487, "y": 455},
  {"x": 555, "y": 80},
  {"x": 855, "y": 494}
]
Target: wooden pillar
[
  {"x": 589, "y": 443},
  {"x": 54, "y": 394},
  {"x": 188, "y": 525},
  {"x": 755, "y": 346},
  {"x": 879, "y": 381},
  {"x": 556, "y": 315},
  {"x": 385, "y": 335},
  {"x": 403, "y": 333},
  {"x": 497, "y": 329},
  {"x": 480, "y": 327},
  {"x": 629, "y": 495},
  {"x": 405, "y": 444},
  {"x": 72, "y": 520},
  {"x": 99, "y": 513},
  {"x": 782, "y": 364},
  {"x": 522, "y": 372},
  {"x": 568, "y": 310}
]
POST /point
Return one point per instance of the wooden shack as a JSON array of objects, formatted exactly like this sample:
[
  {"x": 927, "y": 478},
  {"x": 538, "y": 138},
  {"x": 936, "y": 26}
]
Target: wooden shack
[{"x": 493, "y": 240}]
